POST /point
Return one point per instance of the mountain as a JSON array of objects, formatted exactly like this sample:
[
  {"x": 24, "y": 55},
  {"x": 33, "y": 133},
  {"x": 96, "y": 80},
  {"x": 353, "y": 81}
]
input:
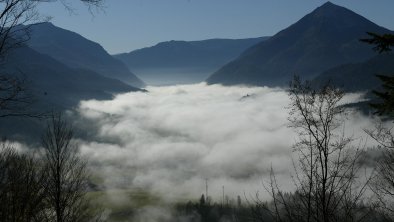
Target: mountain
[
  {"x": 78, "y": 52},
  {"x": 325, "y": 38},
  {"x": 175, "y": 62},
  {"x": 53, "y": 83},
  {"x": 358, "y": 76},
  {"x": 52, "y": 86}
]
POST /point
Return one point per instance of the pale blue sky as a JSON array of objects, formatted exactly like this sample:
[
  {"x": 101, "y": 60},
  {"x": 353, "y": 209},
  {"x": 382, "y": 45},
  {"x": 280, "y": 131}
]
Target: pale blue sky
[{"x": 125, "y": 25}]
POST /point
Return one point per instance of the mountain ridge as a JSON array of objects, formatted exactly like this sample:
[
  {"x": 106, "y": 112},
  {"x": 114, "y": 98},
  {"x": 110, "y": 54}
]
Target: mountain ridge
[
  {"x": 51, "y": 86},
  {"x": 75, "y": 51},
  {"x": 48, "y": 75},
  {"x": 179, "y": 61},
  {"x": 326, "y": 37}
]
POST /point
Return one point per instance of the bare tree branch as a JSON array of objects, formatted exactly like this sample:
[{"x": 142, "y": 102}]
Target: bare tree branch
[
  {"x": 66, "y": 174},
  {"x": 327, "y": 168}
]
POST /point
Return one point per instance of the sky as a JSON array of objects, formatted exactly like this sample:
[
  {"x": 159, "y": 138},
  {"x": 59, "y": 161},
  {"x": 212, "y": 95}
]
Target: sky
[{"x": 125, "y": 25}]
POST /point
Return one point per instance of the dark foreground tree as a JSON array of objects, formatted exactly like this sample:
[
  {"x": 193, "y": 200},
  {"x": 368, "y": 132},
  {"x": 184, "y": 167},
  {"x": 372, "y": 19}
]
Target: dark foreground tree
[
  {"x": 49, "y": 187},
  {"x": 21, "y": 192},
  {"x": 383, "y": 44},
  {"x": 385, "y": 106},
  {"x": 15, "y": 98},
  {"x": 66, "y": 175},
  {"x": 326, "y": 169},
  {"x": 383, "y": 183}
]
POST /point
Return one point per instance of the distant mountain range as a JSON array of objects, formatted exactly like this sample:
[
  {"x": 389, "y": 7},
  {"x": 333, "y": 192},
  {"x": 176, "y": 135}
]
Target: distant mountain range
[
  {"x": 326, "y": 38},
  {"x": 177, "y": 62},
  {"x": 76, "y": 51}
]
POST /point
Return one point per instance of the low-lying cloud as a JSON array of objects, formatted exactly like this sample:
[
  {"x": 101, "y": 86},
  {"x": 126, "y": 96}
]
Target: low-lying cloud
[{"x": 171, "y": 139}]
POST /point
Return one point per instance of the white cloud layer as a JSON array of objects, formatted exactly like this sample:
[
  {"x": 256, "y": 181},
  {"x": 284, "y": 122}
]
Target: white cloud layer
[{"x": 173, "y": 138}]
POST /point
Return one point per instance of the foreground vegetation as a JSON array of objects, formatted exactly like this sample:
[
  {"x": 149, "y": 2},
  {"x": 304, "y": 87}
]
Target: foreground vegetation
[{"x": 49, "y": 185}]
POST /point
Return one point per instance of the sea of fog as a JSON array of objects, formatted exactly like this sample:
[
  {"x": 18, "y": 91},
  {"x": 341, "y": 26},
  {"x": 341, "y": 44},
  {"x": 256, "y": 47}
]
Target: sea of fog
[{"x": 172, "y": 140}]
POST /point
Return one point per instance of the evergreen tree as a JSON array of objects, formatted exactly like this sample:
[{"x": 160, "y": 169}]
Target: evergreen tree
[
  {"x": 386, "y": 105},
  {"x": 383, "y": 43}
]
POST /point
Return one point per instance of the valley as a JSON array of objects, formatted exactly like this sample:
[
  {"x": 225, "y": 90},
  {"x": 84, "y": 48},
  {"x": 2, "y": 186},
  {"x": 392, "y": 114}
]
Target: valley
[{"x": 292, "y": 125}]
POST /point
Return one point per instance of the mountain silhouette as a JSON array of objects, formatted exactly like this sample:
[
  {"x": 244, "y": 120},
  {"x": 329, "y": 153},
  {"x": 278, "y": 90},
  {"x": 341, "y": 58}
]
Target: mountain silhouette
[
  {"x": 325, "y": 38},
  {"x": 76, "y": 51},
  {"x": 55, "y": 85},
  {"x": 52, "y": 86},
  {"x": 176, "y": 62}
]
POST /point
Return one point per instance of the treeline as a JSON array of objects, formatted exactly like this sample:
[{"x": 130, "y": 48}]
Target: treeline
[
  {"x": 205, "y": 210},
  {"x": 47, "y": 185},
  {"x": 254, "y": 210}
]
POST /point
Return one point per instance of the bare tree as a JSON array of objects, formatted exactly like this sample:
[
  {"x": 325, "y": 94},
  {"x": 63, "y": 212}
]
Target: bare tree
[
  {"x": 383, "y": 182},
  {"x": 66, "y": 174},
  {"x": 50, "y": 188},
  {"x": 326, "y": 167},
  {"x": 21, "y": 190},
  {"x": 14, "y": 14},
  {"x": 15, "y": 98}
]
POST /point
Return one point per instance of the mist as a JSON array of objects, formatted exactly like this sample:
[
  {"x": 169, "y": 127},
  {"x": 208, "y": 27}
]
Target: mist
[
  {"x": 171, "y": 139},
  {"x": 174, "y": 76}
]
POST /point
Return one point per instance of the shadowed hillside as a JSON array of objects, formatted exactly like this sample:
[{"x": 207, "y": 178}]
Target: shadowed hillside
[
  {"x": 77, "y": 52},
  {"x": 323, "y": 39}
]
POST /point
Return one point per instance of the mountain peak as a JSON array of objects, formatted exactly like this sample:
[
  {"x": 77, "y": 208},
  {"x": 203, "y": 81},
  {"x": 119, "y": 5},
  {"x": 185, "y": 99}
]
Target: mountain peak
[
  {"x": 333, "y": 11},
  {"x": 46, "y": 24},
  {"x": 325, "y": 38},
  {"x": 75, "y": 51},
  {"x": 328, "y": 8},
  {"x": 331, "y": 15},
  {"x": 328, "y": 4}
]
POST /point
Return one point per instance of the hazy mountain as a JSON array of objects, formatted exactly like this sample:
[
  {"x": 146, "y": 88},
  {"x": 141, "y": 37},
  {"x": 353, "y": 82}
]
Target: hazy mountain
[
  {"x": 53, "y": 86},
  {"x": 359, "y": 76},
  {"x": 53, "y": 83},
  {"x": 78, "y": 52},
  {"x": 184, "y": 61},
  {"x": 325, "y": 38}
]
